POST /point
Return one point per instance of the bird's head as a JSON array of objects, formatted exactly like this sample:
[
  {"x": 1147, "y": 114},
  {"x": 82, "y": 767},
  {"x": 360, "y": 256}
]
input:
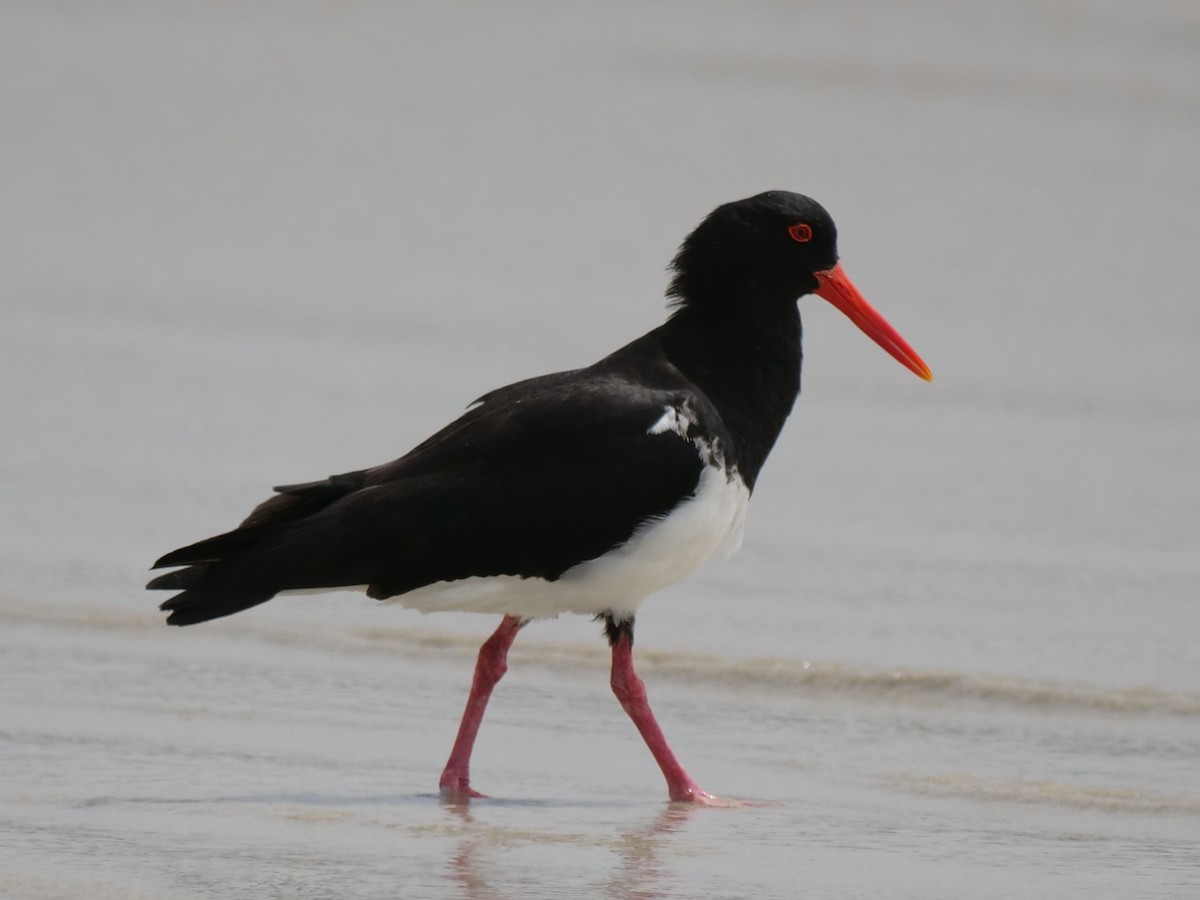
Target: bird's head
[{"x": 774, "y": 248}]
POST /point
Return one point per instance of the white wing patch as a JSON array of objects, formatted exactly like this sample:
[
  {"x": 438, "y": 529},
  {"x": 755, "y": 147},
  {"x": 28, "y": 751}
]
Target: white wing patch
[
  {"x": 679, "y": 420},
  {"x": 674, "y": 418}
]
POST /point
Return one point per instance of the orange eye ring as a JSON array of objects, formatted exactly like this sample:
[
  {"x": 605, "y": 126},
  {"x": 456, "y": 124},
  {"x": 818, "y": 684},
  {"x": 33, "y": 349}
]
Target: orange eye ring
[{"x": 801, "y": 232}]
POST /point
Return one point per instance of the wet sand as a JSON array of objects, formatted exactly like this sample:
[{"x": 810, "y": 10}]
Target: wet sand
[{"x": 957, "y": 652}]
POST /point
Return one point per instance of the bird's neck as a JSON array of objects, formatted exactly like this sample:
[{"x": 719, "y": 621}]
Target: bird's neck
[{"x": 747, "y": 365}]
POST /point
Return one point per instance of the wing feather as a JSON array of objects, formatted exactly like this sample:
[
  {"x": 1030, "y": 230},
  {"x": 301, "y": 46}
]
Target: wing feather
[{"x": 536, "y": 478}]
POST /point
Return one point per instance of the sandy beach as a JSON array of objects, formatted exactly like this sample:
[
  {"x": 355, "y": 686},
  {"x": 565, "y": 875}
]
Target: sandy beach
[{"x": 248, "y": 246}]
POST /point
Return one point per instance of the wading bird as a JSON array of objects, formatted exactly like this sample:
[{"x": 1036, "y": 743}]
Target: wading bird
[{"x": 578, "y": 492}]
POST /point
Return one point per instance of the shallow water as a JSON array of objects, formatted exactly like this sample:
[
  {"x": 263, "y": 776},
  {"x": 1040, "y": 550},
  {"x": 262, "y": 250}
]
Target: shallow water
[{"x": 957, "y": 653}]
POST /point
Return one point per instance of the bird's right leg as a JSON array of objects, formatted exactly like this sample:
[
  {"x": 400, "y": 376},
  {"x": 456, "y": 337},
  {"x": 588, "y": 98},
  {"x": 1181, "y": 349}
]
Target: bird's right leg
[
  {"x": 631, "y": 693},
  {"x": 489, "y": 669}
]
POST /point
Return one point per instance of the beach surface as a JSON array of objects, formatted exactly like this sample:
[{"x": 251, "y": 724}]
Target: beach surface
[{"x": 257, "y": 245}]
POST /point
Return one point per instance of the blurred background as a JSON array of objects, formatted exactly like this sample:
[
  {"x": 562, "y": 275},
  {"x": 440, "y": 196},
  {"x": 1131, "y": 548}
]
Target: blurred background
[{"x": 247, "y": 245}]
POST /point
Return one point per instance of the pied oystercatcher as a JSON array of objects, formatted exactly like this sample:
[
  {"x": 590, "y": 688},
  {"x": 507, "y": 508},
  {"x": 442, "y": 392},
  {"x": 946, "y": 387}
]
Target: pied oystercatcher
[{"x": 583, "y": 491}]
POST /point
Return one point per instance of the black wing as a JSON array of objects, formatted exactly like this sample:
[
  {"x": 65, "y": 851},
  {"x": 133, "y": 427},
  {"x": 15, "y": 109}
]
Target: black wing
[{"x": 538, "y": 477}]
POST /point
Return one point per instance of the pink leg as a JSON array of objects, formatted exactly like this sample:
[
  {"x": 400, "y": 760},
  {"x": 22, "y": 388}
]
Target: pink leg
[
  {"x": 489, "y": 669},
  {"x": 632, "y": 693}
]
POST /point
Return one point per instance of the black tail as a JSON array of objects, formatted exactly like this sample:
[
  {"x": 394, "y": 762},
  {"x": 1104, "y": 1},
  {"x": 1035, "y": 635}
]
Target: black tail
[
  {"x": 215, "y": 582},
  {"x": 199, "y": 605}
]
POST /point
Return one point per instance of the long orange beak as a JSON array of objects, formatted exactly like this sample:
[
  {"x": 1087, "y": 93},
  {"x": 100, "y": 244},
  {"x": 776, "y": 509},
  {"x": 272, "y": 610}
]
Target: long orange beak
[{"x": 838, "y": 289}]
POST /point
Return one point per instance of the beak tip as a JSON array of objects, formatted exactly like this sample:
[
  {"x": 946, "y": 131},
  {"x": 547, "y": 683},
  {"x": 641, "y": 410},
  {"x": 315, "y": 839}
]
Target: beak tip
[{"x": 833, "y": 285}]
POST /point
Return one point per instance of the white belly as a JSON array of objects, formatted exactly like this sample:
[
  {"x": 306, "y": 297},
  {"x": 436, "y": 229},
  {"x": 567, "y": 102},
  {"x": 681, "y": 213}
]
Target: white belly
[{"x": 658, "y": 554}]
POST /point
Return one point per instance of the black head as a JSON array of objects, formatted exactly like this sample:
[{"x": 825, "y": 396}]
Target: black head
[
  {"x": 762, "y": 249},
  {"x": 752, "y": 256}
]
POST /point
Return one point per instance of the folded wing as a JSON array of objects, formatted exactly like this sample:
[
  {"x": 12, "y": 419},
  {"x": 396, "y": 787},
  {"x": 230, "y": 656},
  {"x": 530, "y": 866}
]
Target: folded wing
[{"x": 538, "y": 477}]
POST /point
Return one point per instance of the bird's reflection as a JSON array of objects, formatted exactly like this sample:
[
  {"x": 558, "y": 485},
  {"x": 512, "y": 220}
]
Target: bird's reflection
[
  {"x": 640, "y": 870},
  {"x": 463, "y": 867}
]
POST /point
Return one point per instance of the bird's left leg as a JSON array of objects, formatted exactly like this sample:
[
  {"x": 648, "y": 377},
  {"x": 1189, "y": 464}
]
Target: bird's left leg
[{"x": 490, "y": 667}]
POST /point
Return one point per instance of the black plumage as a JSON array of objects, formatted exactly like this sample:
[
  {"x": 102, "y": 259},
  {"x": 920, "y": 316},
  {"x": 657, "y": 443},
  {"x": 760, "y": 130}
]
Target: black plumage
[
  {"x": 581, "y": 491},
  {"x": 547, "y": 473}
]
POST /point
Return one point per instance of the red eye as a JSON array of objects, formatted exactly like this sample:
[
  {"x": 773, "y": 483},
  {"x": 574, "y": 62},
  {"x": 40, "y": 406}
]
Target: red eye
[{"x": 801, "y": 232}]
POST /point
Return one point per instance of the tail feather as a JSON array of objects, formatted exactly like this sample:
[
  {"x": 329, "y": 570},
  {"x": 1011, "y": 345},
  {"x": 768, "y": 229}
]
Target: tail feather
[
  {"x": 178, "y": 580},
  {"x": 211, "y": 549},
  {"x": 291, "y": 503},
  {"x": 215, "y": 582},
  {"x": 198, "y": 605}
]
